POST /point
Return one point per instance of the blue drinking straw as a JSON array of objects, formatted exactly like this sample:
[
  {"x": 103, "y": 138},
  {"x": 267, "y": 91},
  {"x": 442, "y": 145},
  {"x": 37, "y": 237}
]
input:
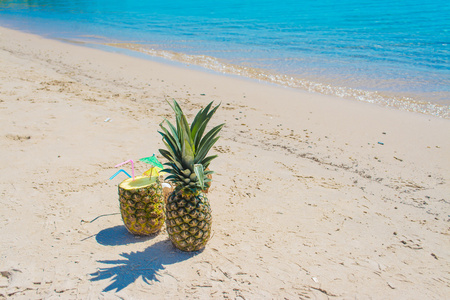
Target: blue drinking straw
[{"x": 121, "y": 170}]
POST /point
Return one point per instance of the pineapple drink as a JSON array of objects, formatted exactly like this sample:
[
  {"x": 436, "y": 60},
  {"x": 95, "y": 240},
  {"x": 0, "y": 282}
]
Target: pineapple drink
[
  {"x": 188, "y": 212},
  {"x": 142, "y": 204}
]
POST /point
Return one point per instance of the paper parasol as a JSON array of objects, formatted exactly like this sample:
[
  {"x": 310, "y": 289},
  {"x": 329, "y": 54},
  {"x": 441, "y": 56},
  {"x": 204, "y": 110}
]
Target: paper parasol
[{"x": 152, "y": 160}]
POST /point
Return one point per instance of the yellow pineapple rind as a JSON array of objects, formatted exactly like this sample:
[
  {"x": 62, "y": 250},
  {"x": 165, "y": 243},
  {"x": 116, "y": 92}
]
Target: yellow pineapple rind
[
  {"x": 188, "y": 221},
  {"x": 142, "y": 208}
]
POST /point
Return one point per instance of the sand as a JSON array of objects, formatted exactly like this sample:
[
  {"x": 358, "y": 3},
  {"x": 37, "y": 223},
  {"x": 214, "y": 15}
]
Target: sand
[{"x": 314, "y": 197}]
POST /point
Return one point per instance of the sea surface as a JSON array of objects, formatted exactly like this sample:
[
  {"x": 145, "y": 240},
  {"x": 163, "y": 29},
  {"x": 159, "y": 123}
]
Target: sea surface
[{"x": 392, "y": 53}]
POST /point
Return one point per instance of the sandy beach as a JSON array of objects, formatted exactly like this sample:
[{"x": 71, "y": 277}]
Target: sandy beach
[{"x": 314, "y": 197}]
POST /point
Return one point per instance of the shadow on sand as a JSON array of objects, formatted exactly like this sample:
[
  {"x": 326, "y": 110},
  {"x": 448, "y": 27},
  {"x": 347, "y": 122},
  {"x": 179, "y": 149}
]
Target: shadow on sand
[
  {"x": 145, "y": 264},
  {"x": 119, "y": 235}
]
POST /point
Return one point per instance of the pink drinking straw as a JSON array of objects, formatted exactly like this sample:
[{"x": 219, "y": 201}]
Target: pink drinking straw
[{"x": 132, "y": 166}]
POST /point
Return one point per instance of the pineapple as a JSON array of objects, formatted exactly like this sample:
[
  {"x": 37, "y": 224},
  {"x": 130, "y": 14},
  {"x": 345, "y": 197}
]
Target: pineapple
[
  {"x": 188, "y": 212},
  {"x": 142, "y": 204}
]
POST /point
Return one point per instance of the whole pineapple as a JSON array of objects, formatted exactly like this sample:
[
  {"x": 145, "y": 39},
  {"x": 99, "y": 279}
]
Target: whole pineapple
[
  {"x": 188, "y": 213},
  {"x": 142, "y": 204}
]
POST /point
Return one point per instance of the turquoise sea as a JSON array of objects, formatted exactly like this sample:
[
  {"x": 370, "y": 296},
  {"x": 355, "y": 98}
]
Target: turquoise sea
[{"x": 393, "y": 53}]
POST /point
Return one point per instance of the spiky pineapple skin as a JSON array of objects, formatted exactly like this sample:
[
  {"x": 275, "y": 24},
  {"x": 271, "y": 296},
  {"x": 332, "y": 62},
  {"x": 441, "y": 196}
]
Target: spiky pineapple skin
[
  {"x": 188, "y": 221},
  {"x": 142, "y": 209}
]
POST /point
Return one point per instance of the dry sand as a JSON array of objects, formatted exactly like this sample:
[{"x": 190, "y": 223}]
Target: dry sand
[{"x": 314, "y": 197}]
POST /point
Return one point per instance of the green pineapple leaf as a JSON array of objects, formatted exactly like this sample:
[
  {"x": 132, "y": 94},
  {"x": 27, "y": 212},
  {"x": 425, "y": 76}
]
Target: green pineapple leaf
[
  {"x": 187, "y": 147},
  {"x": 199, "y": 120},
  {"x": 207, "y": 142},
  {"x": 205, "y": 162},
  {"x": 198, "y": 168},
  {"x": 174, "y": 133},
  {"x": 171, "y": 142},
  {"x": 204, "y": 122},
  {"x": 166, "y": 154}
]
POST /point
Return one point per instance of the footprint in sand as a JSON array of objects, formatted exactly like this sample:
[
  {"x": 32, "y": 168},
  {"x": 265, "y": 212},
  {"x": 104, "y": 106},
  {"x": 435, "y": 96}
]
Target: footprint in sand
[
  {"x": 222, "y": 149},
  {"x": 18, "y": 137}
]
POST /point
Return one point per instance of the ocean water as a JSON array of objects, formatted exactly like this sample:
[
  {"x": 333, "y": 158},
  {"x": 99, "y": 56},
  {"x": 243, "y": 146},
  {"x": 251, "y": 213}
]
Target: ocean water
[{"x": 392, "y": 53}]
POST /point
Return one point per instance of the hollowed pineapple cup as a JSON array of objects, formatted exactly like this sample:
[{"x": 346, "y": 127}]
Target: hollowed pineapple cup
[{"x": 142, "y": 204}]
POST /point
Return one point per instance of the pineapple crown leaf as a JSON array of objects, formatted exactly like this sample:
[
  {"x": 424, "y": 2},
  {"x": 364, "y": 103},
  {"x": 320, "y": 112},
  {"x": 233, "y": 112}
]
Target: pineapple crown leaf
[
  {"x": 182, "y": 123},
  {"x": 203, "y": 119},
  {"x": 184, "y": 137},
  {"x": 170, "y": 170},
  {"x": 174, "y": 133},
  {"x": 172, "y": 177},
  {"x": 207, "y": 142},
  {"x": 204, "y": 150},
  {"x": 171, "y": 150},
  {"x": 167, "y": 155},
  {"x": 187, "y": 148},
  {"x": 198, "y": 168},
  {"x": 205, "y": 162},
  {"x": 176, "y": 108},
  {"x": 201, "y": 115},
  {"x": 171, "y": 143}
]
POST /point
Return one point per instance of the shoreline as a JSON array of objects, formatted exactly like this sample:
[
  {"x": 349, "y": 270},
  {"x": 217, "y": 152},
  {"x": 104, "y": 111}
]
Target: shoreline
[
  {"x": 406, "y": 101},
  {"x": 313, "y": 196},
  {"x": 212, "y": 64}
]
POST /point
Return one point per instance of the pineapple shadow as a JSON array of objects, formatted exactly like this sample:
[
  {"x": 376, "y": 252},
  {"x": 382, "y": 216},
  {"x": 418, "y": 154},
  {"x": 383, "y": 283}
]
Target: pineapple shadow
[
  {"x": 146, "y": 264},
  {"x": 119, "y": 235}
]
